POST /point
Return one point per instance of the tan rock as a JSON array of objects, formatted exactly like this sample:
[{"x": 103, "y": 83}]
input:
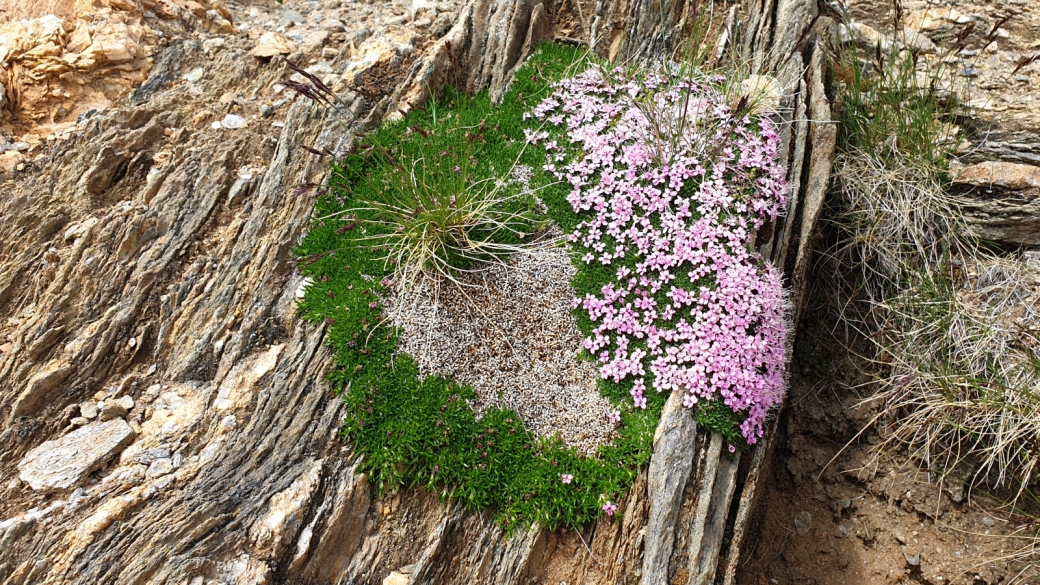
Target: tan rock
[
  {"x": 116, "y": 51},
  {"x": 1000, "y": 200},
  {"x": 80, "y": 39},
  {"x": 271, "y": 44},
  {"x": 1005, "y": 175}
]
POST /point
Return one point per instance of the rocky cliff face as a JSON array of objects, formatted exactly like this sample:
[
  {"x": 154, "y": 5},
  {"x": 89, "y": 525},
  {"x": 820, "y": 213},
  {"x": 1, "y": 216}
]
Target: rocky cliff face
[{"x": 147, "y": 292}]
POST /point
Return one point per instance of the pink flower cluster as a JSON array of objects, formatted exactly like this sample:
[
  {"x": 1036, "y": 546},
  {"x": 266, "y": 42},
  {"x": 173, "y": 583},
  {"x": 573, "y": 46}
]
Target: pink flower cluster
[{"x": 674, "y": 185}]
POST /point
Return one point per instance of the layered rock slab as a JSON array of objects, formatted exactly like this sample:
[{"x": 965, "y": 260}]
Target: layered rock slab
[{"x": 61, "y": 464}]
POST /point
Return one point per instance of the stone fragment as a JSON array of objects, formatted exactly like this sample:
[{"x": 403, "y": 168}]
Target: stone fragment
[
  {"x": 232, "y": 122},
  {"x": 62, "y": 463},
  {"x": 1000, "y": 200},
  {"x": 915, "y": 41},
  {"x": 116, "y": 51},
  {"x": 88, "y": 409},
  {"x": 80, "y": 39},
  {"x": 113, "y": 409},
  {"x": 864, "y": 36},
  {"x": 160, "y": 467},
  {"x": 211, "y": 46},
  {"x": 271, "y": 44},
  {"x": 33, "y": 398},
  {"x": 79, "y": 421},
  {"x": 396, "y": 578},
  {"x": 912, "y": 560},
  {"x": 988, "y": 522},
  {"x": 1004, "y": 175},
  {"x": 803, "y": 523},
  {"x": 332, "y": 25}
]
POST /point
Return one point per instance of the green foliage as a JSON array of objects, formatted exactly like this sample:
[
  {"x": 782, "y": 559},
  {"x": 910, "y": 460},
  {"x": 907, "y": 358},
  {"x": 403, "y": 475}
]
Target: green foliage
[
  {"x": 416, "y": 431},
  {"x": 428, "y": 212},
  {"x": 887, "y": 106},
  {"x": 390, "y": 205}
]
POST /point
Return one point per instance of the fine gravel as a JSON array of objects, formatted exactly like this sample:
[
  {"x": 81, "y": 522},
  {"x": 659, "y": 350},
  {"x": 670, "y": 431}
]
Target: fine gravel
[{"x": 508, "y": 331}]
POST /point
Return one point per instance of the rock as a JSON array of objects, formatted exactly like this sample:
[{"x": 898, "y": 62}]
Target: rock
[
  {"x": 88, "y": 409},
  {"x": 40, "y": 386},
  {"x": 866, "y": 37},
  {"x": 231, "y": 122},
  {"x": 211, "y": 46},
  {"x": 803, "y": 523},
  {"x": 79, "y": 421},
  {"x": 266, "y": 111},
  {"x": 1000, "y": 200},
  {"x": 18, "y": 146},
  {"x": 988, "y": 522},
  {"x": 396, "y": 578},
  {"x": 332, "y": 25},
  {"x": 999, "y": 174},
  {"x": 159, "y": 467},
  {"x": 915, "y": 41},
  {"x": 62, "y": 463},
  {"x": 912, "y": 560},
  {"x": 955, "y": 489},
  {"x": 314, "y": 41},
  {"x": 667, "y": 478},
  {"x": 271, "y": 44},
  {"x": 114, "y": 409}
]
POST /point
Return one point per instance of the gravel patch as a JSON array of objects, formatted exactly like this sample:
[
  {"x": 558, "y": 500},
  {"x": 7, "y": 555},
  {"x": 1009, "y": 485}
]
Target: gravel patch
[{"x": 510, "y": 334}]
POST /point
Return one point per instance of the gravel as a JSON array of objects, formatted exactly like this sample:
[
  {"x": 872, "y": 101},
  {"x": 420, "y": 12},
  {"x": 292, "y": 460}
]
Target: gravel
[{"x": 510, "y": 334}]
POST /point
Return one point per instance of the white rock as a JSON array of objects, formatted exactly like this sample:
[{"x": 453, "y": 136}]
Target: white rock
[
  {"x": 233, "y": 122},
  {"x": 62, "y": 463},
  {"x": 88, "y": 409},
  {"x": 395, "y": 578},
  {"x": 210, "y": 46},
  {"x": 301, "y": 291},
  {"x": 271, "y": 44},
  {"x": 160, "y": 467},
  {"x": 194, "y": 75}
]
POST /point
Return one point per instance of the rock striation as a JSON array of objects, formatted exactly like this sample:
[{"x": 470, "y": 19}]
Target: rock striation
[{"x": 148, "y": 255}]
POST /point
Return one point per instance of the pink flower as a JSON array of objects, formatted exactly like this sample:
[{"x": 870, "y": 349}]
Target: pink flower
[
  {"x": 732, "y": 449},
  {"x": 614, "y": 416},
  {"x": 566, "y": 478},
  {"x": 675, "y": 184},
  {"x": 609, "y": 508}
]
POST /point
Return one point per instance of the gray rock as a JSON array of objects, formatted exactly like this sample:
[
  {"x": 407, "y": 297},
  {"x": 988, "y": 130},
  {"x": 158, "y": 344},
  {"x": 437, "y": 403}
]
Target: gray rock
[
  {"x": 986, "y": 520},
  {"x": 803, "y": 523},
  {"x": 160, "y": 467},
  {"x": 332, "y": 25},
  {"x": 266, "y": 111},
  {"x": 18, "y": 146},
  {"x": 912, "y": 560},
  {"x": 62, "y": 463},
  {"x": 79, "y": 421}
]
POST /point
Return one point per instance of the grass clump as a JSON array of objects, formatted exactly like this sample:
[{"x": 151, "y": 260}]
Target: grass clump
[
  {"x": 952, "y": 320},
  {"x": 431, "y": 215}
]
